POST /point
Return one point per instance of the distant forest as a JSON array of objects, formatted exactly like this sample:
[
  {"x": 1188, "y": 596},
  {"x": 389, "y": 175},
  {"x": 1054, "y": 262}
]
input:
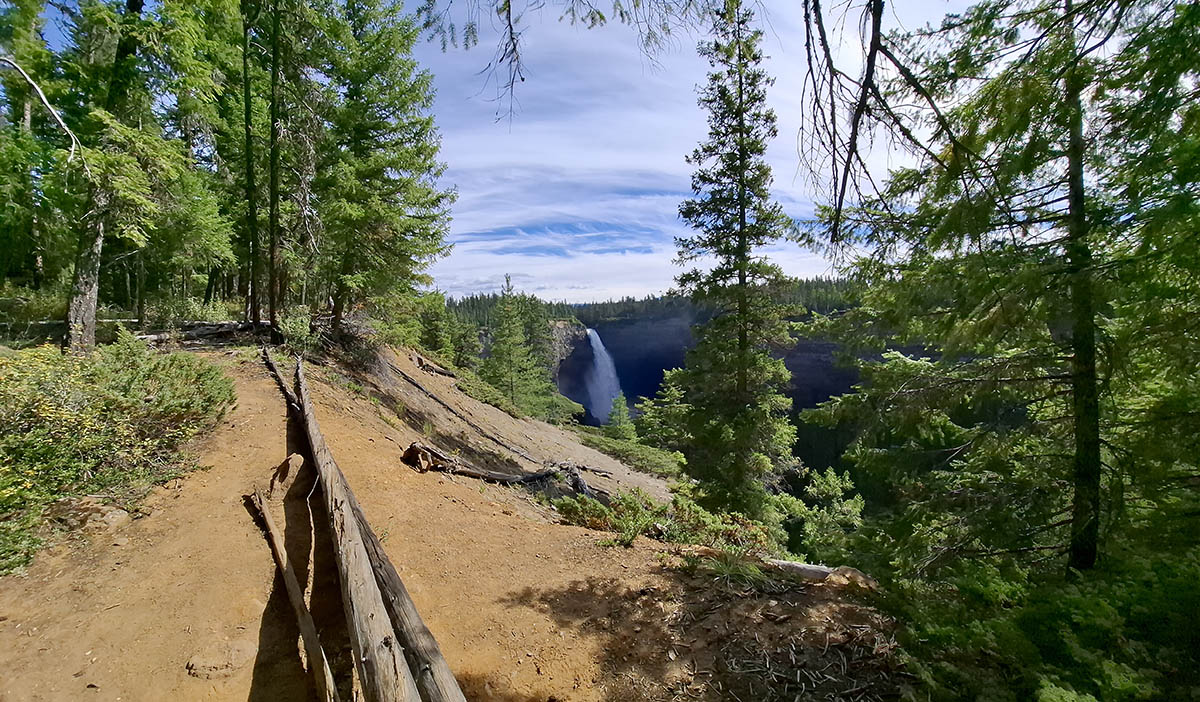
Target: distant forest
[{"x": 820, "y": 295}]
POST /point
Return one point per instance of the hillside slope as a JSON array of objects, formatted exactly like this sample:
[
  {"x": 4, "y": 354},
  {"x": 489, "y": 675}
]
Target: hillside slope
[{"x": 525, "y": 609}]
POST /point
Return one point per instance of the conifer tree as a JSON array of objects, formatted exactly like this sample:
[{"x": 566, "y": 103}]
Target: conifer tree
[
  {"x": 511, "y": 365},
  {"x": 662, "y": 420},
  {"x": 737, "y": 417},
  {"x": 619, "y": 425},
  {"x": 384, "y": 212},
  {"x": 464, "y": 335}
]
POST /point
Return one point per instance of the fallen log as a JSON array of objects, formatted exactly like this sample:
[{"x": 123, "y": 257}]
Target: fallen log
[
  {"x": 206, "y": 331},
  {"x": 429, "y": 668},
  {"x": 431, "y": 367},
  {"x": 288, "y": 395},
  {"x": 804, "y": 570},
  {"x": 378, "y": 656},
  {"x": 840, "y": 575},
  {"x": 318, "y": 665},
  {"x": 424, "y": 458}
]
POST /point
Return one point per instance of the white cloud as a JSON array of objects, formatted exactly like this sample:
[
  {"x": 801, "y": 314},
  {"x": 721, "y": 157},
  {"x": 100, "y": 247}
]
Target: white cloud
[{"x": 577, "y": 194}]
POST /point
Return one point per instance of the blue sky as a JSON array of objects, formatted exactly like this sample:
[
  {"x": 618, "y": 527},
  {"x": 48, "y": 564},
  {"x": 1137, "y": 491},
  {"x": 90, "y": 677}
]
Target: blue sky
[{"x": 576, "y": 194}]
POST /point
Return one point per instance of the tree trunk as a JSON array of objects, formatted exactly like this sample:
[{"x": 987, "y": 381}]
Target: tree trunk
[
  {"x": 1085, "y": 519},
  {"x": 81, "y": 310},
  {"x": 252, "y": 301},
  {"x": 272, "y": 273},
  {"x": 211, "y": 288},
  {"x": 341, "y": 293},
  {"x": 85, "y": 289},
  {"x": 378, "y": 657},
  {"x": 141, "y": 290}
]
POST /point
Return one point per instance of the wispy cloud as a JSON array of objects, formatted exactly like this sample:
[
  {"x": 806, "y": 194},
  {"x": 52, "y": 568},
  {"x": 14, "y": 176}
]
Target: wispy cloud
[{"x": 577, "y": 194}]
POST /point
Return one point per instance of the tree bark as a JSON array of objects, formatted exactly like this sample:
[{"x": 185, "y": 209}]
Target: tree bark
[
  {"x": 85, "y": 291},
  {"x": 85, "y": 288},
  {"x": 1085, "y": 518},
  {"x": 252, "y": 300},
  {"x": 272, "y": 272},
  {"x": 378, "y": 655},
  {"x": 341, "y": 293},
  {"x": 318, "y": 664}
]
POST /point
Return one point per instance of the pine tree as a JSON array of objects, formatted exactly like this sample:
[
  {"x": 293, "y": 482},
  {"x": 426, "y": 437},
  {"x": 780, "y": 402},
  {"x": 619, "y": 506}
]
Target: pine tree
[
  {"x": 385, "y": 214},
  {"x": 662, "y": 420},
  {"x": 511, "y": 366},
  {"x": 437, "y": 334},
  {"x": 464, "y": 336},
  {"x": 619, "y": 425},
  {"x": 737, "y": 419}
]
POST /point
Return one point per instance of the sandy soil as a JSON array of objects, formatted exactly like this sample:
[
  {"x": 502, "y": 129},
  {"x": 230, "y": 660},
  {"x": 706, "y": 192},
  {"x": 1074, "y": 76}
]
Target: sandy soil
[{"x": 525, "y": 610}]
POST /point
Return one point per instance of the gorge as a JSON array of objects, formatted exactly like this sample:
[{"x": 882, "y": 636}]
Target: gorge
[{"x": 639, "y": 349}]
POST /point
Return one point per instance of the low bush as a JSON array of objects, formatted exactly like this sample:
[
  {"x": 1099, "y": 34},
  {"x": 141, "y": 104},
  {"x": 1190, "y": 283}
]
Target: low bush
[
  {"x": 168, "y": 312},
  {"x": 632, "y": 514},
  {"x": 111, "y": 423},
  {"x": 299, "y": 335}
]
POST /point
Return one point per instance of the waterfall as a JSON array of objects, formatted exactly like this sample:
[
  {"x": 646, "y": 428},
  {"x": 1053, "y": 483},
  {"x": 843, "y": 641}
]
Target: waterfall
[{"x": 601, "y": 379}]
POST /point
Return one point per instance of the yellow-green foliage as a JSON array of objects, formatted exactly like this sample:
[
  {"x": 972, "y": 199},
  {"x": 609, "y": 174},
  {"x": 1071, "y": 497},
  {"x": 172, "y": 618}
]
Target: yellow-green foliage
[
  {"x": 647, "y": 459},
  {"x": 109, "y": 423},
  {"x": 634, "y": 513}
]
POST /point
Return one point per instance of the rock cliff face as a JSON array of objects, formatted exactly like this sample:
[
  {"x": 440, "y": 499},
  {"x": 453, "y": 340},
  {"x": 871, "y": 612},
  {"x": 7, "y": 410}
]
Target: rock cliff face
[{"x": 566, "y": 338}]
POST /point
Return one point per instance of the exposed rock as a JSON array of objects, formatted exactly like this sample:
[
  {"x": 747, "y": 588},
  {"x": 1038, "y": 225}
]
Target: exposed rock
[
  {"x": 565, "y": 338},
  {"x": 88, "y": 512},
  {"x": 220, "y": 659}
]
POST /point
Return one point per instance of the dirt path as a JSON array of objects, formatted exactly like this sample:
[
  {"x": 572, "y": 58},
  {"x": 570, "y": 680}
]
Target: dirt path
[{"x": 525, "y": 610}]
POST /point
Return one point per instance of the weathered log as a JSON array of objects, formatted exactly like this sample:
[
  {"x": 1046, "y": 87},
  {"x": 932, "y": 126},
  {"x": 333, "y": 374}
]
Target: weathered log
[
  {"x": 206, "y": 330},
  {"x": 318, "y": 665},
  {"x": 293, "y": 403},
  {"x": 804, "y": 570},
  {"x": 378, "y": 655},
  {"x": 423, "y": 458},
  {"x": 429, "y": 668},
  {"x": 430, "y": 367},
  {"x": 840, "y": 575}
]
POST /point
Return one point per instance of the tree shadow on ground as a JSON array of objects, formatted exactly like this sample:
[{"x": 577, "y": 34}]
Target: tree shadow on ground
[
  {"x": 706, "y": 636},
  {"x": 279, "y": 672}
]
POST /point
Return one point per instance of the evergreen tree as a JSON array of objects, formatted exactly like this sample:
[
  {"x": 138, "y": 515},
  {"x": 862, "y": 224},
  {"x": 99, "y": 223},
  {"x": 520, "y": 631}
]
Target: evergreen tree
[
  {"x": 465, "y": 338},
  {"x": 619, "y": 425},
  {"x": 737, "y": 413},
  {"x": 662, "y": 420},
  {"x": 384, "y": 211},
  {"x": 437, "y": 335},
  {"x": 511, "y": 366}
]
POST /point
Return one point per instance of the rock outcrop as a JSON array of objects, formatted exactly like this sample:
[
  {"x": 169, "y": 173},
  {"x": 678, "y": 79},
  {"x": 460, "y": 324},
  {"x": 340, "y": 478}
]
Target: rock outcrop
[{"x": 566, "y": 337}]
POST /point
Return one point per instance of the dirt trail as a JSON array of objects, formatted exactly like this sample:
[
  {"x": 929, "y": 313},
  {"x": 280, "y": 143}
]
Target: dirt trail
[{"x": 525, "y": 610}]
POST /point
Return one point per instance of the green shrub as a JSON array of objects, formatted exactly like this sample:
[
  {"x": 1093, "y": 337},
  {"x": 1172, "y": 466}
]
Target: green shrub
[
  {"x": 646, "y": 459},
  {"x": 169, "y": 312},
  {"x": 299, "y": 336},
  {"x": 630, "y": 514},
  {"x": 634, "y": 513},
  {"x": 585, "y": 512},
  {"x": 111, "y": 423}
]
